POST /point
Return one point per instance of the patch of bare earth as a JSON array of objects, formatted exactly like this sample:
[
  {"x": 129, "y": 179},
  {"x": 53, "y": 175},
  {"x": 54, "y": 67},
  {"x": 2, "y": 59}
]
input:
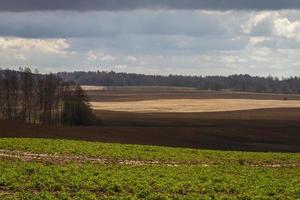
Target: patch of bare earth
[
  {"x": 4, "y": 192},
  {"x": 60, "y": 159},
  {"x": 54, "y": 158}
]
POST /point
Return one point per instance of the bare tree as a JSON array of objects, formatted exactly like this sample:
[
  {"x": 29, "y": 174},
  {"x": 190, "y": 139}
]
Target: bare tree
[{"x": 43, "y": 99}]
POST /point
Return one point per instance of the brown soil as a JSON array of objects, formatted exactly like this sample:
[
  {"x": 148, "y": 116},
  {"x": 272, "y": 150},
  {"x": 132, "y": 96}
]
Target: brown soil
[
  {"x": 138, "y": 94},
  {"x": 51, "y": 158},
  {"x": 252, "y": 130}
]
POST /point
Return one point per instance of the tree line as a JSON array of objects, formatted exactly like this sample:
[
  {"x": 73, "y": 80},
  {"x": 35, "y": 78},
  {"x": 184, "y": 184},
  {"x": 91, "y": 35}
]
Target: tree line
[
  {"x": 42, "y": 99},
  {"x": 238, "y": 83}
]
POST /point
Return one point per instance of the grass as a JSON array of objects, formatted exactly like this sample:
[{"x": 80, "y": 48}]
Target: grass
[
  {"x": 227, "y": 175},
  {"x": 193, "y": 105}
]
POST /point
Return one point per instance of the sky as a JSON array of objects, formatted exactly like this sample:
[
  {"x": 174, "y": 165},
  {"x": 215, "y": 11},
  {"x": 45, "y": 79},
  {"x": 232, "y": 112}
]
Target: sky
[{"x": 188, "y": 37}]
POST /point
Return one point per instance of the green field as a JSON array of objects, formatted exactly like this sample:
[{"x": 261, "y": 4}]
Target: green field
[{"x": 75, "y": 170}]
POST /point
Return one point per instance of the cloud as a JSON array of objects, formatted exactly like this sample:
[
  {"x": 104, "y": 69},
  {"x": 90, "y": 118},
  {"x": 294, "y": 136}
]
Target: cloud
[
  {"x": 255, "y": 60},
  {"x": 274, "y": 27},
  {"x": 20, "y": 57},
  {"x": 91, "y": 56},
  {"x": 197, "y": 42},
  {"x": 15, "y": 52},
  {"x": 120, "y": 67},
  {"x": 285, "y": 28},
  {"x": 107, "y": 58},
  {"x": 109, "y": 24},
  {"x": 99, "y": 56},
  {"x": 116, "y": 5},
  {"x": 254, "y": 41},
  {"x": 130, "y": 59},
  {"x": 260, "y": 23},
  {"x": 54, "y": 46}
]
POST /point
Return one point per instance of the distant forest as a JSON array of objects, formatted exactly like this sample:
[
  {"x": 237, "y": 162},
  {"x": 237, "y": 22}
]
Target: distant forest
[
  {"x": 238, "y": 83},
  {"x": 42, "y": 99}
]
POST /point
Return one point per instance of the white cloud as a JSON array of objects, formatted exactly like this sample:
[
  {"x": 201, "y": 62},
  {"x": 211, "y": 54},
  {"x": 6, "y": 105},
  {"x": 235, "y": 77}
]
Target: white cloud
[
  {"x": 99, "y": 56},
  {"x": 108, "y": 58},
  {"x": 232, "y": 59},
  {"x": 286, "y": 28},
  {"x": 253, "y": 41},
  {"x": 120, "y": 67},
  {"x": 259, "y": 22},
  {"x": 130, "y": 59},
  {"x": 93, "y": 56},
  {"x": 19, "y": 56},
  {"x": 55, "y": 46}
]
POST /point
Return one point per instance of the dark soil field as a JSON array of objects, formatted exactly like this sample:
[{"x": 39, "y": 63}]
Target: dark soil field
[
  {"x": 120, "y": 94},
  {"x": 254, "y": 130}
]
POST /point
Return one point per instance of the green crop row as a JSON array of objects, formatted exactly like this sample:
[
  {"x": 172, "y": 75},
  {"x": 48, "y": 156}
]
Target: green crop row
[
  {"x": 23, "y": 180},
  {"x": 143, "y": 152},
  {"x": 225, "y": 175}
]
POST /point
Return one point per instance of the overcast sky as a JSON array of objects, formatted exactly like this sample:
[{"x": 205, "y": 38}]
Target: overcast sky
[{"x": 191, "y": 37}]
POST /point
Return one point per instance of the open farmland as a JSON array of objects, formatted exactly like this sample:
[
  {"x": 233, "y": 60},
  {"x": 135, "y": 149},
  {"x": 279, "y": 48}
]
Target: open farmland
[
  {"x": 266, "y": 129},
  {"x": 126, "y": 167},
  {"x": 150, "y": 100},
  {"x": 193, "y": 105},
  {"x": 123, "y": 94},
  {"x": 42, "y": 169}
]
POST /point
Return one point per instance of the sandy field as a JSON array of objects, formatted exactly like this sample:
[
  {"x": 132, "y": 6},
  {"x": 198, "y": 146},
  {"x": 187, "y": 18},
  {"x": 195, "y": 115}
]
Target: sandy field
[
  {"x": 92, "y": 88},
  {"x": 193, "y": 105}
]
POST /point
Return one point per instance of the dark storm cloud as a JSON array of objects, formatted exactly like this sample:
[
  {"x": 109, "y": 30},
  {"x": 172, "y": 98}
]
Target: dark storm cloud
[
  {"x": 60, "y": 24},
  {"x": 115, "y": 5}
]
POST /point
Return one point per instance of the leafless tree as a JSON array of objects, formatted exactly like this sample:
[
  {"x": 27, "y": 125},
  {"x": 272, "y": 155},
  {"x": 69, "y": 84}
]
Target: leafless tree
[{"x": 43, "y": 99}]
